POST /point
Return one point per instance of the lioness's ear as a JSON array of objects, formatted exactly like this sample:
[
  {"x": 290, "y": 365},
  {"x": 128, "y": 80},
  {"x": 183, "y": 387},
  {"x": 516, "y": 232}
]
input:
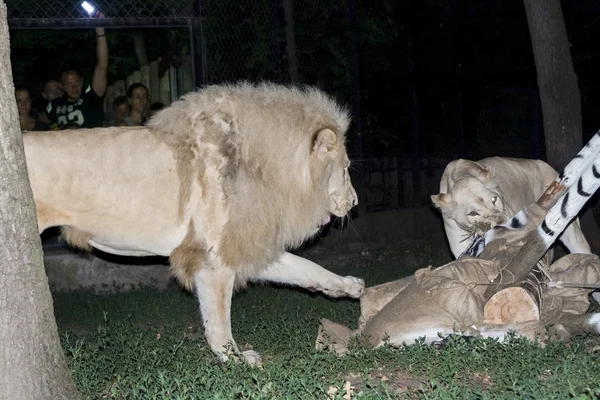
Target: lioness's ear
[
  {"x": 325, "y": 140},
  {"x": 487, "y": 173},
  {"x": 464, "y": 168},
  {"x": 441, "y": 200}
]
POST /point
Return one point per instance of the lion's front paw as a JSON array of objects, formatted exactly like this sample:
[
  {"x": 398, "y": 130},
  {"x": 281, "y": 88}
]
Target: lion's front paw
[
  {"x": 347, "y": 286},
  {"x": 249, "y": 356},
  {"x": 356, "y": 287},
  {"x": 252, "y": 358}
]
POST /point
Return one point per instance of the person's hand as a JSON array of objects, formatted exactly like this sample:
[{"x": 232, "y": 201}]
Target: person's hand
[{"x": 99, "y": 30}]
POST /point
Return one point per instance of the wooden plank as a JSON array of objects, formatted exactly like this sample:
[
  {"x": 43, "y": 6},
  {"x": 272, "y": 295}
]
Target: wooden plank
[
  {"x": 145, "y": 77},
  {"x": 187, "y": 77},
  {"x": 154, "y": 83},
  {"x": 165, "y": 88},
  {"x": 136, "y": 77},
  {"x": 173, "y": 84}
]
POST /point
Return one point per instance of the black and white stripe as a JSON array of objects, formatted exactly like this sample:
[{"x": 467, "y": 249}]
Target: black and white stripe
[
  {"x": 518, "y": 221},
  {"x": 581, "y": 176},
  {"x": 571, "y": 203}
]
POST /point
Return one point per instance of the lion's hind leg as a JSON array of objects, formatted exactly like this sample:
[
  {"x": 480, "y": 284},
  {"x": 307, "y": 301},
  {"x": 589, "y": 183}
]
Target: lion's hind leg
[
  {"x": 214, "y": 289},
  {"x": 298, "y": 271}
]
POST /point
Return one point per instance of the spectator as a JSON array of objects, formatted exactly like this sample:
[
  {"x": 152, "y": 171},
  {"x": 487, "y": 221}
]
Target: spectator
[
  {"x": 26, "y": 120},
  {"x": 120, "y": 111},
  {"x": 84, "y": 108},
  {"x": 137, "y": 95},
  {"x": 52, "y": 90}
]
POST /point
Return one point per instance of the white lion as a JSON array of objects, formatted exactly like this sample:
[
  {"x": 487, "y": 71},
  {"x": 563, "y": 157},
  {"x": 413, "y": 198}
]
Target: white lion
[
  {"x": 222, "y": 182},
  {"x": 475, "y": 196}
]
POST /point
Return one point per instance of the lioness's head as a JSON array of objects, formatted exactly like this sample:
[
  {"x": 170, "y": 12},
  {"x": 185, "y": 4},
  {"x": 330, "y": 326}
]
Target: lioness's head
[
  {"x": 329, "y": 152},
  {"x": 475, "y": 205}
]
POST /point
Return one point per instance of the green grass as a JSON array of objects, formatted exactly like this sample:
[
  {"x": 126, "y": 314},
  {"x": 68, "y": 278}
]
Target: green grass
[{"x": 148, "y": 345}]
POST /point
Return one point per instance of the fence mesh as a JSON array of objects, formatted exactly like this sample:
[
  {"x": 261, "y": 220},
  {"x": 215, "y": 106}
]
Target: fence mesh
[
  {"x": 313, "y": 43},
  {"x": 246, "y": 39},
  {"x": 65, "y": 13}
]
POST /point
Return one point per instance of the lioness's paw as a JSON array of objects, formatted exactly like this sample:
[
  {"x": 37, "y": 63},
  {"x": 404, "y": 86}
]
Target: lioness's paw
[{"x": 347, "y": 286}]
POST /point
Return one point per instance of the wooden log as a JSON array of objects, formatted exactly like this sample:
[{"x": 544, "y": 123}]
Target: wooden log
[
  {"x": 532, "y": 251},
  {"x": 511, "y": 305},
  {"x": 551, "y": 195},
  {"x": 534, "y": 248}
]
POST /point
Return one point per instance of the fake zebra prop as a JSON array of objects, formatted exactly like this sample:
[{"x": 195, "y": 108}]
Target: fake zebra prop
[{"x": 582, "y": 178}]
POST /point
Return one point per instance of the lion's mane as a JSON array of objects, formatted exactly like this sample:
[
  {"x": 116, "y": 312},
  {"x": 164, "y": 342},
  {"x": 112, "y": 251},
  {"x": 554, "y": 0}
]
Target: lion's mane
[{"x": 259, "y": 138}]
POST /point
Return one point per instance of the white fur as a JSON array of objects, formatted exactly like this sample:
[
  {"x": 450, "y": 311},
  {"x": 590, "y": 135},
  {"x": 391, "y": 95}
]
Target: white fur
[
  {"x": 594, "y": 323},
  {"x": 298, "y": 271},
  {"x": 430, "y": 335},
  {"x": 222, "y": 181}
]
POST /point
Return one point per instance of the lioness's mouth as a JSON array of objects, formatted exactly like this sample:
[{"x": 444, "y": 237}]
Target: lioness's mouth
[{"x": 482, "y": 227}]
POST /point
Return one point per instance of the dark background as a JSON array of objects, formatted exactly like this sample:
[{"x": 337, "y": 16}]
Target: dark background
[{"x": 428, "y": 81}]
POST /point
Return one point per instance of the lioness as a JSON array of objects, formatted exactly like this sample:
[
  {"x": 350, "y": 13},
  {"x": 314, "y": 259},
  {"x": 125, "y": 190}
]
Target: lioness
[
  {"x": 475, "y": 196},
  {"x": 222, "y": 182}
]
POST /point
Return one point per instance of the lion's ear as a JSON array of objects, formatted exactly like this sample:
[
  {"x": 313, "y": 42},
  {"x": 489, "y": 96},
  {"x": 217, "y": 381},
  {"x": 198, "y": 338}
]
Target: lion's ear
[
  {"x": 441, "y": 200},
  {"x": 325, "y": 140}
]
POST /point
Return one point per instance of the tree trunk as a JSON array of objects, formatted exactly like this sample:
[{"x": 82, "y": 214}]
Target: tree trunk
[
  {"x": 32, "y": 363},
  {"x": 290, "y": 41},
  {"x": 557, "y": 82},
  {"x": 559, "y": 93}
]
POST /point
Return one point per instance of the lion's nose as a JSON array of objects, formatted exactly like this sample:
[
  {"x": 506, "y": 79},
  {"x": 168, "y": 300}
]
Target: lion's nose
[{"x": 354, "y": 198}]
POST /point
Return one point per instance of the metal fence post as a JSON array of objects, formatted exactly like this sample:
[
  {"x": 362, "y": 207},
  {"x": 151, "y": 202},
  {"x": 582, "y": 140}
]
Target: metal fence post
[
  {"x": 197, "y": 47},
  {"x": 357, "y": 145}
]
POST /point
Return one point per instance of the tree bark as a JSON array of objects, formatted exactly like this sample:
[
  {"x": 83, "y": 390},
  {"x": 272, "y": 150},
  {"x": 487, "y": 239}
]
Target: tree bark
[
  {"x": 559, "y": 93},
  {"x": 32, "y": 363},
  {"x": 290, "y": 41},
  {"x": 557, "y": 82}
]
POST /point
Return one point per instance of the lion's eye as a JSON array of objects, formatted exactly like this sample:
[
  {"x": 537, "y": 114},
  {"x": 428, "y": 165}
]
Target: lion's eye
[
  {"x": 473, "y": 214},
  {"x": 494, "y": 199}
]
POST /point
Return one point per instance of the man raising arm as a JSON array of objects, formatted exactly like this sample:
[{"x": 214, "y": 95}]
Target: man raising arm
[
  {"x": 101, "y": 69},
  {"x": 84, "y": 109}
]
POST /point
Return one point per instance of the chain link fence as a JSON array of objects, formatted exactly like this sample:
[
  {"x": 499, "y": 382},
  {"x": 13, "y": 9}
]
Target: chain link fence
[
  {"x": 250, "y": 40},
  {"x": 302, "y": 42},
  {"x": 70, "y": 13}
]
